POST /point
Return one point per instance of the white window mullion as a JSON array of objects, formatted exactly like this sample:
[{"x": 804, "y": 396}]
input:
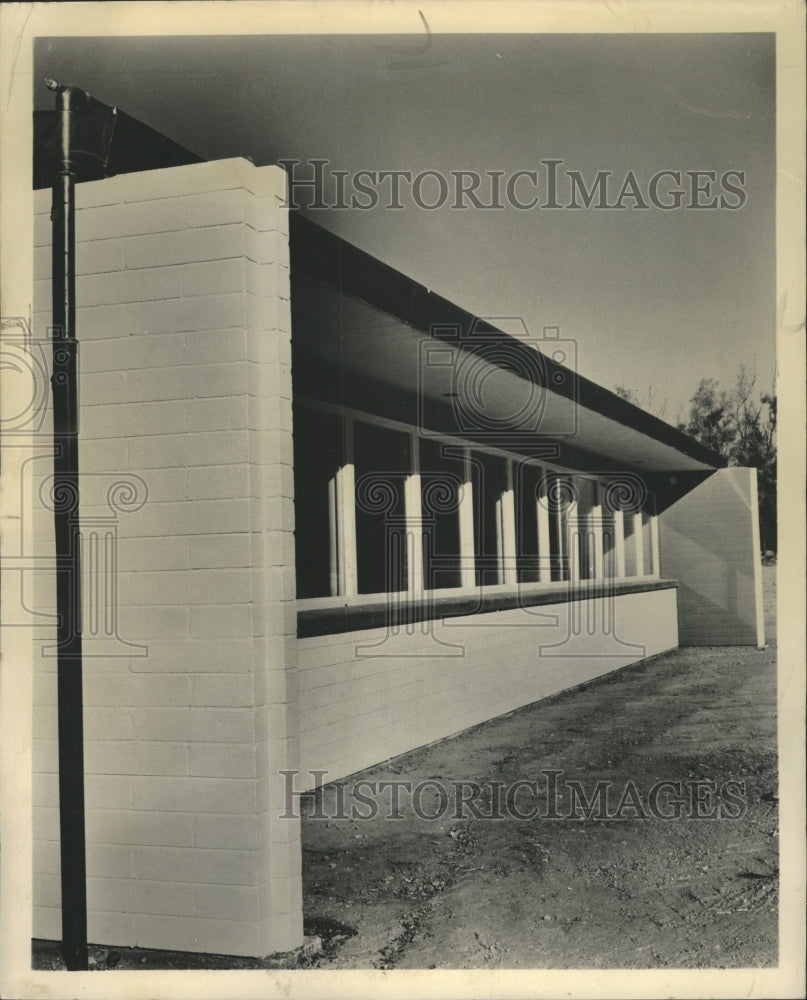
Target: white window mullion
[
  {"x": 639, "y": 542},
  {"x": 336, "y": 587},
  {"x": 542, "y": 513},
  {"x": 414, "y": 524},
  {"x": 506, "y": 522},
  {"x": 573, "y": 538},
  {"x": 562, "y": 555},
  {"x": 466, "y": 516},
  {"x": 654, "y": 545},
  {"x": 345, "y": 519},
  {"x": 595, "y": 527},
  {"x": 619, "y": 544}
]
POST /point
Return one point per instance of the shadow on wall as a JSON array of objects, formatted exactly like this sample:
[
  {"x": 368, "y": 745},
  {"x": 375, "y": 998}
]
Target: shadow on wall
[
  {"x": 710, "y": 545},
  {"x": 698, "y": 614}
]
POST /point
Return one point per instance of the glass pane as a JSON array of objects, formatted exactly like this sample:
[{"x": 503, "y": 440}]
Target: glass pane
[
  {"x": 318, "y": 439},
  {"x": 585, "y": 528},
  {"x": 489, "y": 481},
  {"x": 558, "y": 495},
  {"x": 527, "y": 480},
  {"x": 629, "y": 522},
  {"x": 647, "y": 548},
  {"x": 441, "y": 478},
  {"x": 608, "y": 537},
  {"x": 382, "y": 464}
]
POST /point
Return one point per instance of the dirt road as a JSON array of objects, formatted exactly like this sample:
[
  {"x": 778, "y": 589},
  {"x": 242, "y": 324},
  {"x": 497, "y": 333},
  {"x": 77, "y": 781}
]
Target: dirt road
[{"x": 629, "y": 887}]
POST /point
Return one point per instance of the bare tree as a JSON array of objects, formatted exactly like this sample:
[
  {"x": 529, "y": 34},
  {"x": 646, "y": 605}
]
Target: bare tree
[{"x": 647, "y": 400}]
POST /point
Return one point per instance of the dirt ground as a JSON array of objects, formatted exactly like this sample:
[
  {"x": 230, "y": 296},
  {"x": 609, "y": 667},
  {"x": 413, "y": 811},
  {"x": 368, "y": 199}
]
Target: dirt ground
[
  {"x": 616, "y": 892},
  {"x": 624, "y": 888}
]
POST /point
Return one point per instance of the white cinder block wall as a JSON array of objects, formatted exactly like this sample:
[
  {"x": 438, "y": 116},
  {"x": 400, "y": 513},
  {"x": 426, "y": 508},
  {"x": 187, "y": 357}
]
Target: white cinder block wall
[
  {"x": 185, "y": 382},
  {"x": 366, "y": 696}
]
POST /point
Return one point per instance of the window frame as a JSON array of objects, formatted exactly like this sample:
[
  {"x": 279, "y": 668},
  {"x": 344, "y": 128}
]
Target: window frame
[{"x": 343, "y": 527}]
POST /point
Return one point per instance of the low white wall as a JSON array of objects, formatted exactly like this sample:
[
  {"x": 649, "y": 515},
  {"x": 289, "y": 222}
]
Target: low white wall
[{"x": 359, "y": 705}]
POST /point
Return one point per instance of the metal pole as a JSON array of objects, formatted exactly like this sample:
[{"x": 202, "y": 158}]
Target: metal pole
[{"x": 64, "y": 383}]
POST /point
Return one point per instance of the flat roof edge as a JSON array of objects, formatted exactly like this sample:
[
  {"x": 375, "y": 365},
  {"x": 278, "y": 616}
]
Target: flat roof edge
[{"x": 323, "y": 255}]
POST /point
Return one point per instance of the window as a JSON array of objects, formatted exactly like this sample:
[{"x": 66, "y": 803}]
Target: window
[
  {"x": 489, "y": 478},
  {"x": 612, "y": 547},
  {"x": 318, "y": 457},
  {"x": 640, "y": 543},
  {"x": 632, "y": 564},
  {"x": 530, "y": 548},
  {"x": 559, "y": 499},
  {"x": 442, "y": 483},
  {"x": 647, "y": 544},
  {"x": 381, "y": 509},
  {"x": 382, "y": 460},
  {"x": 587, "y": 530}
]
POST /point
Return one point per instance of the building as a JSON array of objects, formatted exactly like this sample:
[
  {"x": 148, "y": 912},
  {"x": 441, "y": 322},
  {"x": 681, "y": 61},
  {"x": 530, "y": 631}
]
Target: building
[{"x": 327, "y": 517}]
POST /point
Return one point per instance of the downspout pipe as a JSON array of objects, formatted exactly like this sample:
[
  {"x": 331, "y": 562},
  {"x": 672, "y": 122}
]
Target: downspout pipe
[{"x": 64, "y": 383}]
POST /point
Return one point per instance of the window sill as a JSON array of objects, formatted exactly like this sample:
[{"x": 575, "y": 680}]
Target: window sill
[{"x": 380, "y": 614}]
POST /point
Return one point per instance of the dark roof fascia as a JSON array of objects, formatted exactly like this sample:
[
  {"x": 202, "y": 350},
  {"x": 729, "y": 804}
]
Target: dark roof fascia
[
  {"x": 355, "y": 273},
  {"x": 106, "y": 142}
]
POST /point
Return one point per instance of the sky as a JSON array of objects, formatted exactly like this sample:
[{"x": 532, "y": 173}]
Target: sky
[{"x": 651, "y": 298}]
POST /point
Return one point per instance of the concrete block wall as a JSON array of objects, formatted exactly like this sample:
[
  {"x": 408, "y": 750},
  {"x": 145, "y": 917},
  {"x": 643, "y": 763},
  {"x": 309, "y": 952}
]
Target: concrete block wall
[
  {"x": 366, "y": 696},
  {"x": 187, "y": 508},
  {"x": 709, "y": 542}
]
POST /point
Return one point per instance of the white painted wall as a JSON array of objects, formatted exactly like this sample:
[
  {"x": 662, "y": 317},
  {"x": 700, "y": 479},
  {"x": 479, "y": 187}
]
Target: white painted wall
[
  {"x": 185, "y": 360},
  {"x": 366, "y": 696}
]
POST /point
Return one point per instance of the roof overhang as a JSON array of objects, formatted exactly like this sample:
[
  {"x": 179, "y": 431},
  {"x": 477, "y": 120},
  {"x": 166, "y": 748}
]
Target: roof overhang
[{"x": 493, "y": 380}]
